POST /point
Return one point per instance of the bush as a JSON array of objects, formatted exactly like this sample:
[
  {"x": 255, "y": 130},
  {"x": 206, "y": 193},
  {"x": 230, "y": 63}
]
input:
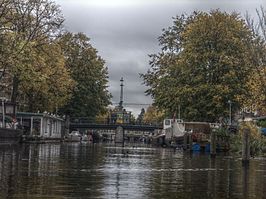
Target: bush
[
  {"x": 261, "y": 123},
  {"x": 257, "y": 141},
  {"x": 235, "y": 143}
]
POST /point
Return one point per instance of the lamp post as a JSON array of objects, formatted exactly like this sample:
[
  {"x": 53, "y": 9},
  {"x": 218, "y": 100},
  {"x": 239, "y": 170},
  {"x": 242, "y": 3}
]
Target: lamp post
[{"x": 230, "y": 112}]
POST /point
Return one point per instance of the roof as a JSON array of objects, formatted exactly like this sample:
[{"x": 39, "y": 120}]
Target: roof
[
  {"x": 21, "y": 114},
  {"x": 29, "y": 114}
]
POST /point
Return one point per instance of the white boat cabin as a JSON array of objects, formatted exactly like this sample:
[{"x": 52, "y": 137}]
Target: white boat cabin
[{"x": 168, "y": 123}]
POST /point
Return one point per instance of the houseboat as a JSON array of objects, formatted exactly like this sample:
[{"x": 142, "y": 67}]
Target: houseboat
[{"x": 41, "y": 127}]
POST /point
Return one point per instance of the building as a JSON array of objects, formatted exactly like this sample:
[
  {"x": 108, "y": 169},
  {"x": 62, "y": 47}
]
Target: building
[{"x": 119, "y": 116}]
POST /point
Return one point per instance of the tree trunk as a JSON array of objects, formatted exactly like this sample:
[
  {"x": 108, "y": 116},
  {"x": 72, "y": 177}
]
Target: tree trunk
[{"x": 15, "y": 89}]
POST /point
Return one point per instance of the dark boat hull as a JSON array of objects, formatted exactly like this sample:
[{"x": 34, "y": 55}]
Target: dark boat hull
[{"x": 10, "y": 136}]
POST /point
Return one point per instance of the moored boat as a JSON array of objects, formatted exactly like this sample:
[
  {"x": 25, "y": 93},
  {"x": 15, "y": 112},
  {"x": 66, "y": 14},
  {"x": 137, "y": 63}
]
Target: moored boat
[
  {"x": 174, "y": 132},
  {"x": 74, "y": 136},
  {"x": 84, "y": 138}
]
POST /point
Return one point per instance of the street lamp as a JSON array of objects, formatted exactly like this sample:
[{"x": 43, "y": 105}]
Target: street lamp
[{"x": 230, "y": 112}]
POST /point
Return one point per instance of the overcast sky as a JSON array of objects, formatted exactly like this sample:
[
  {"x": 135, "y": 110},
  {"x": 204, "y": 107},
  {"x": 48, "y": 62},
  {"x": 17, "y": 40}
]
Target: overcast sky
[{"x": 125, "y": 32}]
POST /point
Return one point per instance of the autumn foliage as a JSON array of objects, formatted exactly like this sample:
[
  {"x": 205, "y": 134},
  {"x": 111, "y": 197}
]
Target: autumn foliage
[
  {"x": 207, "y": 59},
  {"x": 44, "y": 67}
]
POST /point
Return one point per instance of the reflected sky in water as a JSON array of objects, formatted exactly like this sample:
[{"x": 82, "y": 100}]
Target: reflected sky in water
[{"x": 78, "y": 170}]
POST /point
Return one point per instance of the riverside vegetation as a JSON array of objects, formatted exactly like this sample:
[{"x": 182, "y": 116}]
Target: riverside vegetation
[{"x": 257, "y": 140}]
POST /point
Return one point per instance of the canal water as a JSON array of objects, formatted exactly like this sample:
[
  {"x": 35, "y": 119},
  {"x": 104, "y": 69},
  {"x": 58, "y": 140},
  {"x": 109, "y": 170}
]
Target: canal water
[{"x": 79, "y": 170}]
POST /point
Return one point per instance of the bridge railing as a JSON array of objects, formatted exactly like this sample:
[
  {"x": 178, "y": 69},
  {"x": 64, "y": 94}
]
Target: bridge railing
[{"x": 84, "y": 120}]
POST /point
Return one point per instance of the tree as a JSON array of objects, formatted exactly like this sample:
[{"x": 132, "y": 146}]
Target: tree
[
  {"x": 90, "y": 95},
  {"x": 204, "y": 63},
  {"x": 257, "y": 81},
  {"x": 140, "y": 116},
  {"x": 25, "y": 24},
  {"x": 45, "y": 82},
  {"x": 153, "y": 116},
  {"x": 258, "y": 28},
  {"x": 104, "y": 117},
  {"x": 132, "y": 119}
]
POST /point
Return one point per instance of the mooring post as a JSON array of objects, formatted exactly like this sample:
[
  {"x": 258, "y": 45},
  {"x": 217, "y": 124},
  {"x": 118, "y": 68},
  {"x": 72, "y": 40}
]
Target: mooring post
[
  {"x": 213, "y": 143},
  {"x": 190, "y": 141},
  {"x": 185, "y": 141},
  {"x": 246, "y": 146}
]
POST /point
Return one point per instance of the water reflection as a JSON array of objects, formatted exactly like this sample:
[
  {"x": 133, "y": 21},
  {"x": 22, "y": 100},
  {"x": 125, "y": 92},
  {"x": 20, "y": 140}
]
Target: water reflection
[
  {"x": 8, "y": 171},
  {"x": 76, "y": 170}
]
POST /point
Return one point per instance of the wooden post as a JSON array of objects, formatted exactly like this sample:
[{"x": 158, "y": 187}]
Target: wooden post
[
  {"x": 185, "y": 141},
  {"x": 246, "y": 146},
  {"x": 213, "y": 143},
  {"x": 190, "y": 141}
]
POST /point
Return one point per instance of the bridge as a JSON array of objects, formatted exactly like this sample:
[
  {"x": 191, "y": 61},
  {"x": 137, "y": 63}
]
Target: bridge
[
  {"x": 117, "y": 118},
  {"x": 130, "y": 127}
]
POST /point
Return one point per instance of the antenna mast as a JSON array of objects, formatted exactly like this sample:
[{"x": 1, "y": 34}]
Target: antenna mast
[{"x": 121, "y": 94}]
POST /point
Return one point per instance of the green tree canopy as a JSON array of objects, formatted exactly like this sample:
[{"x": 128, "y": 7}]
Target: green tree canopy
[
  {"x": 204, "y": 63},
  {"x": 90, "y": 95}
]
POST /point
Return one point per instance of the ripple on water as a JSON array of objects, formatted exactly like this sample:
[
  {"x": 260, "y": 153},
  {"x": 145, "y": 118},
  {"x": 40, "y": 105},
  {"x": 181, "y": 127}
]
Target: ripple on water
[{"x": 104, "y": 171}]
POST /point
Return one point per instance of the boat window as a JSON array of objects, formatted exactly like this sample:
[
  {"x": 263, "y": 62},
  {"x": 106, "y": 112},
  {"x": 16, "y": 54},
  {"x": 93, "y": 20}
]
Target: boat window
[{"x": 167, "y": 122}]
